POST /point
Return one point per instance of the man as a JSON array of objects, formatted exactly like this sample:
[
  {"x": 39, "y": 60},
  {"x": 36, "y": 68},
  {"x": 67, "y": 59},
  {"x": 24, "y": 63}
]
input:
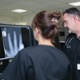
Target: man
[{"x": 71, "y": 19}]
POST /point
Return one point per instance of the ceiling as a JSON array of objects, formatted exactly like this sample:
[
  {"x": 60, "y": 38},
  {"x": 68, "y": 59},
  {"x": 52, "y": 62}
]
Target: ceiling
[{"x": 33, "y": 6}]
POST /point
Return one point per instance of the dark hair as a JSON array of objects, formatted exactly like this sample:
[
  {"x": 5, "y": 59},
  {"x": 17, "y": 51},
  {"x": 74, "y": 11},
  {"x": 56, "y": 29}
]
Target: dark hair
[
  {"x": 47, "y": 23},
  {"x": 73, "y": 11}
]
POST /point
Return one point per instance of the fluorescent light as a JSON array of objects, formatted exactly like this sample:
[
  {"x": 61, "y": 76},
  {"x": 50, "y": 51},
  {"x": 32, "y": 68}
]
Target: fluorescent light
[
  {"x": 19, "y": 10},
  {"x": 75, "y": 3}
]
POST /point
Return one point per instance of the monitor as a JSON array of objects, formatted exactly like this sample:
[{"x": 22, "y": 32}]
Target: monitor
[{"x": 13, "y": 38}]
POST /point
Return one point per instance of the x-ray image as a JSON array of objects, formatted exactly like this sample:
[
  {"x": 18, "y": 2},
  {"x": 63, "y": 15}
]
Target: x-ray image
[
  {"x": 12, "y": 41},
  {"x": 13, "y": 38}
]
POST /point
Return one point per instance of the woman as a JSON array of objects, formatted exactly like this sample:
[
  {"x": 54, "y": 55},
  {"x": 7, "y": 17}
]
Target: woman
[{"x": 41, "y": 62}]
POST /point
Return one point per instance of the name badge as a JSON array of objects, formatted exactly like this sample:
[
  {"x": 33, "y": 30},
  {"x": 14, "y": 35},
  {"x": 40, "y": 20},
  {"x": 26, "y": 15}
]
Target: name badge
[{"x": 78, "y": 66}]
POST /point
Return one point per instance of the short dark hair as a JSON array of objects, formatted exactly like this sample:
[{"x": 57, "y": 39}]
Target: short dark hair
[{"x": 73, "y": 11}]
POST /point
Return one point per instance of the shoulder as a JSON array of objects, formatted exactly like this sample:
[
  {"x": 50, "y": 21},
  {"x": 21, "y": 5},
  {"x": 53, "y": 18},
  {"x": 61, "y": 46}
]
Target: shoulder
[
  {"x": 70, "y": 38},
  {"x": 29, "y": 50},
  {"x": 71, "y": 35}
]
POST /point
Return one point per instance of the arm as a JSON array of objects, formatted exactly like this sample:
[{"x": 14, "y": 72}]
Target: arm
[{"x": 17, "y": 69}]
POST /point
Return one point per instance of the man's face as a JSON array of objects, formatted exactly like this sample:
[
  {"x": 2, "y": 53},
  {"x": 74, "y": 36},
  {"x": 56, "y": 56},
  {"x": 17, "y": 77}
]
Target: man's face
[{"x": 68, "y": 21}]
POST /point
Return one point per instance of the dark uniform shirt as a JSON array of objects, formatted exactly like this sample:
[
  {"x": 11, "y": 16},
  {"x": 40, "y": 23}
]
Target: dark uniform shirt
[
  {"x": 72, "y": 50},
  {"x": 38, "y": 63}
]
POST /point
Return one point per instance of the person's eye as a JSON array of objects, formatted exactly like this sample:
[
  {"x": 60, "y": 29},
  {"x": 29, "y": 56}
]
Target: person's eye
[{"x": 64, "y": 22}]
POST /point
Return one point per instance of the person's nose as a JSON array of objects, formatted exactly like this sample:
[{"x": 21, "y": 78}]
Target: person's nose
[{"x": 65, "y": 25}]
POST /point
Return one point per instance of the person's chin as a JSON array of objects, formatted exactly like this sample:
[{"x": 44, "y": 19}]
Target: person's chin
[{"x": 69, "y": 30}]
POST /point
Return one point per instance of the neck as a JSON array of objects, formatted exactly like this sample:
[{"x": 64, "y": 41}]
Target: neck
[
  {"x": 78, "y": 35},
  {"x": 78, "y": 30},
  {"x": 45, "y": 42}
]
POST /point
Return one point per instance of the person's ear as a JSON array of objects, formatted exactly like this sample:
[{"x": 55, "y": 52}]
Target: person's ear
[
  {"x": 36, "y": 33},
  {"x": 75, "y": 18},
  {"x": 37, "y": 30}
]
